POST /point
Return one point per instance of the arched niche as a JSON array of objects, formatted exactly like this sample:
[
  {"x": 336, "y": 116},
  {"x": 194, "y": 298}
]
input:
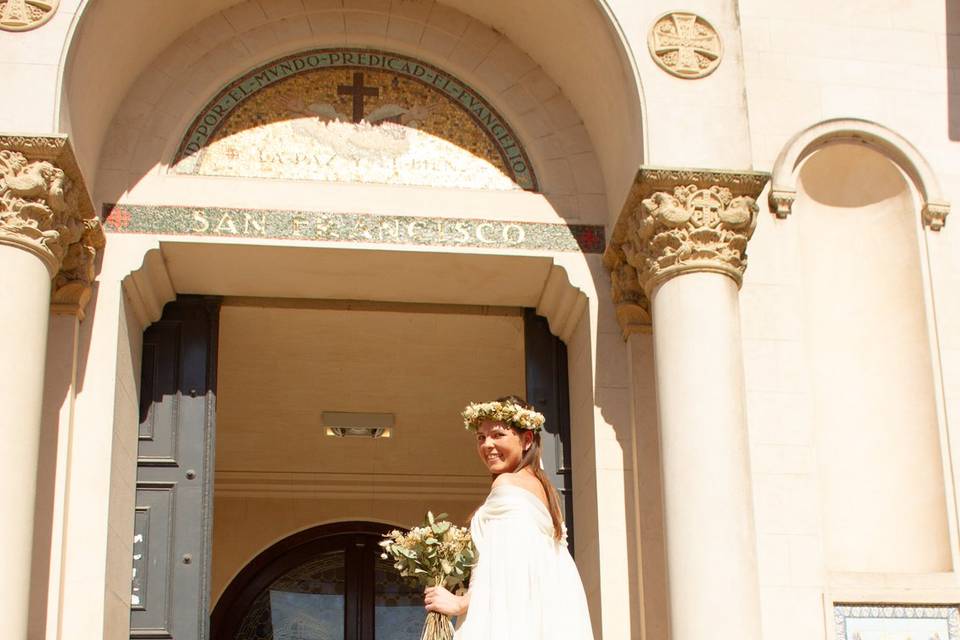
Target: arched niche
[
  {"x": 867, "y": 334},
  {"x": 783, "y": 188},
  {"x": 594, "y": 98}
]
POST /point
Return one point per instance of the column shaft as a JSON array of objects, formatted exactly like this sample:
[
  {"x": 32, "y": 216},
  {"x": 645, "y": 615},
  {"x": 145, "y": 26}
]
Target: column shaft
[
  {"x": 49, "y": 238},
  {"x": 25, "y": 300},
  {"x": 708, "y": 502}
]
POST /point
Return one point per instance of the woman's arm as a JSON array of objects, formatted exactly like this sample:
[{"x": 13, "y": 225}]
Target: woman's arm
[{"x": 439, "y": 599}]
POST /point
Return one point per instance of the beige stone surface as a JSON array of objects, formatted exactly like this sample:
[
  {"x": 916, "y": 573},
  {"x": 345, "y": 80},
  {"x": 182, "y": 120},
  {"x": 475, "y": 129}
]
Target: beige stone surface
[
  {"x": 24, "y": 292},
  {"x": 57, "y": 420},
  {"x": 95, "y": 574},
  {"x": 710, "y": 548},
  {"x": 830, "y": 396},
  {"x": 807, "y": 460}
]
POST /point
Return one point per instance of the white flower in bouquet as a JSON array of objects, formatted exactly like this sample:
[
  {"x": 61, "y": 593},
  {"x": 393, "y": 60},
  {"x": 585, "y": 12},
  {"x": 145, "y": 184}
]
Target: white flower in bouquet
[{"x": 435, "y": 554}]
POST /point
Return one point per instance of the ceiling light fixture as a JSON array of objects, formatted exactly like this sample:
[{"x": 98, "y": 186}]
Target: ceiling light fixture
[{"x": 350, "y": 424}]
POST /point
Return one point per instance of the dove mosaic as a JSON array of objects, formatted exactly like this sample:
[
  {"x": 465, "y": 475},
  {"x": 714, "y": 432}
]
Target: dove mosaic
[{"x": 349, "y": 115}]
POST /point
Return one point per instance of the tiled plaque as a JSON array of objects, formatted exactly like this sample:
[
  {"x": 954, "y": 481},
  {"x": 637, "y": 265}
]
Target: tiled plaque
[
  {"x": 361, "y": 228},
  {"x": 355, "y": 115},
  {"x": 896, "y": 622}
]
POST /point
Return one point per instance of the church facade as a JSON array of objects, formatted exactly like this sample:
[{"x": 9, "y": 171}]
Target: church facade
[{"x": 256, "y": 256}]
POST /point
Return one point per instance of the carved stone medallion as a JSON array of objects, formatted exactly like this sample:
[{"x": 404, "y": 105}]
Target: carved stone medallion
[
  {"x": 23, "y": 15},
  {"x": 685, "y": 45}
]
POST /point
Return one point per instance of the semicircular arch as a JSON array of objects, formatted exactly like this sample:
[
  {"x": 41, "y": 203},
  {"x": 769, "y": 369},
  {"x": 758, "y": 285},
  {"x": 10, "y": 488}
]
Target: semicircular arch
[
  {"x": 604, "y": 90},
  {"x": 892, "y": 145},
  {"x": 419, "y": 124},
  {"x": 282, "y": 558}
]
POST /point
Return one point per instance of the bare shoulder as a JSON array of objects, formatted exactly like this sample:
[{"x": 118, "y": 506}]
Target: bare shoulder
[
  {"x": 524, "y": 480},
  {"x": 506, "y": 478}
]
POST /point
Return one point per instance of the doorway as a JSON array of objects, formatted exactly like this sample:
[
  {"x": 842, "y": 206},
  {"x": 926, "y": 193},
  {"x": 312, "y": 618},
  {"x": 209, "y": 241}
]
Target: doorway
[{"x": 272, "y": 367}]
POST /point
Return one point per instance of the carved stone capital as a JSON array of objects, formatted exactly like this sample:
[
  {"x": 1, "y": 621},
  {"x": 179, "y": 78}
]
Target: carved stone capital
[
  {"x": 678, "y": 221},
  {"x": 934, "y": 214},
  {"x": 45, "y": 209},
  {"x": 781, "y": 202}
]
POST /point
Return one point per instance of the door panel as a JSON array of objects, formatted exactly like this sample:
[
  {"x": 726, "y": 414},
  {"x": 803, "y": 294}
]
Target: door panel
[
  {"x": 547, "y": 390},
  {"x": 174, "y": 473}
]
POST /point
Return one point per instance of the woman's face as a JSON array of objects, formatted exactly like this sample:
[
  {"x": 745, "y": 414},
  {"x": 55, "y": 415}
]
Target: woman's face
[{"x": 500, "y": 447}]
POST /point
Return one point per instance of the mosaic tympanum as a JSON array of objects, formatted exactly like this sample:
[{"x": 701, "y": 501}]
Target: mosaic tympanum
[{"x": 351, "y": 115}]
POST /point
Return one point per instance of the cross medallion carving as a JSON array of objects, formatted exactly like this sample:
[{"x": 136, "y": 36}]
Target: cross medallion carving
[
  {"x": 685, "y": 45},
  {"x": 22, "y": 15}
]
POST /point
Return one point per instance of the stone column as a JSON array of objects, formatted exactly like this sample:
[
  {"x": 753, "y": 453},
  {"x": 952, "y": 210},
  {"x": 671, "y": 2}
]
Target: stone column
[
  {"x": 677, "y": 258},
  {"x": 49, "y": 238}
]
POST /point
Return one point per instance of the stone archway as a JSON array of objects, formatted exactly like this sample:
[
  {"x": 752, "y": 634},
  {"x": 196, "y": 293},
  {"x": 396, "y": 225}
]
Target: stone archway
[
  {"x": 602, "y": 137},
  {"x": 595, "y": 85}
]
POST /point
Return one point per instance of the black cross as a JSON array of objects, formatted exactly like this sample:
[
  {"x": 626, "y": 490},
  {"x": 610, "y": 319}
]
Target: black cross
[{"x": 358, "y": 91}]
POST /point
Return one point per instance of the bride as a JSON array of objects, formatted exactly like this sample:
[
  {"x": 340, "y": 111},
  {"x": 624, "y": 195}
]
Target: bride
[{"x": 525, "y": 585}]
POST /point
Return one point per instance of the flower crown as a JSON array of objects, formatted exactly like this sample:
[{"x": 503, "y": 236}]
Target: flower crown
[{"x": 508, "y": 412}]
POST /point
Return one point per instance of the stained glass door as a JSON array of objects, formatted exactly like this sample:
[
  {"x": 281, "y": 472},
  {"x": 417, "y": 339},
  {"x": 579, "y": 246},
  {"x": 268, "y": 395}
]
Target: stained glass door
[
  {"x": 306, "y": 603},
  {"x": 321, "y": 587},
  {"x": 398, "y": 612}
]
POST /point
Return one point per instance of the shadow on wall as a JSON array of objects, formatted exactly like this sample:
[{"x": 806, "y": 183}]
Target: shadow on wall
[{"x": 953, "y": 68}]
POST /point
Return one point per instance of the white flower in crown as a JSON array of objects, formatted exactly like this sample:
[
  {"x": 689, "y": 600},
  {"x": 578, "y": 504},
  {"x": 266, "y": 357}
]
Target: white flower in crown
[{"x": 507, "y": 412}]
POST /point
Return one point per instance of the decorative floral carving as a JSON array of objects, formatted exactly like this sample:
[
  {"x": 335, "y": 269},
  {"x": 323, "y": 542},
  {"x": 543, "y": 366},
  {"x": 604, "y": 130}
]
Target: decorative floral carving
[
  {"x": 633, "y": 306},
  {"x": 23, "y": 15},
  {"x": 45, "y": 209},
  {"x": 73, "y": 284},
  {"x": 678, "y": 221},
  {"x": 691, "y": 228},
  {"x": 33, "y": 205}
]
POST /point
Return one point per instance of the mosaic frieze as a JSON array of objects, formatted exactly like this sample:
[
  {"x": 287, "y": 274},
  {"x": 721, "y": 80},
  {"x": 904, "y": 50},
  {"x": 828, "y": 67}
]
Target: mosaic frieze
[
  {"x": 896, "y": 622},
  {"x": 350, "y": 115},
  {"x": 352, "y": 227}
]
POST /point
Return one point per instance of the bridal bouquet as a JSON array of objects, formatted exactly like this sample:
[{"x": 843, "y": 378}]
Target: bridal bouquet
[{"x": 436, "y": 554}]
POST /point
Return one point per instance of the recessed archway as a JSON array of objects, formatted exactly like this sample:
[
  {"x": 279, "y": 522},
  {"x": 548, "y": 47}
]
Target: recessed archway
[{"x": 603, "y": 87}]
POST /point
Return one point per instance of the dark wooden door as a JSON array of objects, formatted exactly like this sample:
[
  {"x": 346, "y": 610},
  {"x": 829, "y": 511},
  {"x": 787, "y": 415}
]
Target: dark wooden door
[
  {"x": 548, "y": 391},
  {"x": 174, "y": 506}
]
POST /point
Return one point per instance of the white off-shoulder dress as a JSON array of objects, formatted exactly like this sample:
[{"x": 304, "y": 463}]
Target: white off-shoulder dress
[{"x": 525, "y": 585}]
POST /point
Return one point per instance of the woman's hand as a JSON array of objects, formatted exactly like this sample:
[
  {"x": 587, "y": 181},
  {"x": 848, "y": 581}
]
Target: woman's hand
[{"x": 442, "y": 601}]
